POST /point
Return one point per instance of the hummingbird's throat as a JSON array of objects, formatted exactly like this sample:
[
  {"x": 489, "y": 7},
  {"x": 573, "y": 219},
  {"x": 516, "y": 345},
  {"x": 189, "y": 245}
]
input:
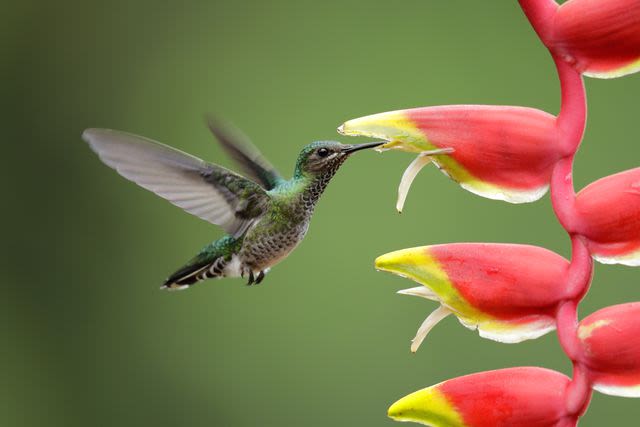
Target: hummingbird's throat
[{"x": 311, "y": 194}]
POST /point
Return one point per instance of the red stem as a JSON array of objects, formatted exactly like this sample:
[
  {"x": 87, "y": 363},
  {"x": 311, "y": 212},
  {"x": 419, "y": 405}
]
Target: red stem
[
  {"x": 579, "y": 390},
  {"x": 570, "y": 124},
  {"x": 540, "y": 13},
  {"x": 573, "y": 106},
  {"x": 567, "y": 323},
  {"x": 580, "y": 269},
  {"x": 563, "y": 195}
]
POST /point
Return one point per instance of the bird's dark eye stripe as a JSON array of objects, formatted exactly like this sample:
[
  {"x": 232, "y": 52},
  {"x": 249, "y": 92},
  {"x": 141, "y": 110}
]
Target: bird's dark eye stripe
[{"x": 323, "y": 152}]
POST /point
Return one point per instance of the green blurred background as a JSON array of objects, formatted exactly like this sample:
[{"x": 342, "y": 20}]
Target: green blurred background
[{"x": 89, "y": 338}]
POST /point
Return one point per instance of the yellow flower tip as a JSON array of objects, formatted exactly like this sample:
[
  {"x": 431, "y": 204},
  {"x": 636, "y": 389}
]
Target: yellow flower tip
[
  {"x": 384, "y": 262},
  {"x": 417, "y": 264},
  {"x": 373, "y": 125},
  {"x": 397, "y": 261},
  {"x": 397, "y": 411},
  {"x": 405, "y": 408},
  {"x": 427, "y": 406},
  {"x": 393, "y": 126},
  {"x": 405, "y": 259}
]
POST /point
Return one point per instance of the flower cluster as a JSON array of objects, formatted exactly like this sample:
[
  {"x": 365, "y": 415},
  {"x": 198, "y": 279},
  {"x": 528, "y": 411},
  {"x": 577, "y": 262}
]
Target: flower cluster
[{"x": 510, "y": 292}]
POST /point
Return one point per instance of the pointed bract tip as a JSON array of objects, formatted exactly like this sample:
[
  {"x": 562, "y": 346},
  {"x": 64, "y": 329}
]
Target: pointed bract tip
[
  {"x": 395, "y": 411},
  {"x": 384, "y": 262},
  {"x": 395, "y": 127},
  {"x": 427, "y": 406},
  {"x": 401, "y": 259},
  {"x": 401, "y": 410}
]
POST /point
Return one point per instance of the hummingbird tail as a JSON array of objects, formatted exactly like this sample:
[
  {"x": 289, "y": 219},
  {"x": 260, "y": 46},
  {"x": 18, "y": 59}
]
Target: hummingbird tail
[
  {"x": 217, "y": 259},
  {"x": 185, "y": 277},
  {"x": 204, "y": 266},
  {"x": 211, "y": 262}
]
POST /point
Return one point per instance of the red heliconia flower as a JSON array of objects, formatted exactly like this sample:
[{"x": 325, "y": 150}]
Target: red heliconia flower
[
  {"x": 499, "y": 152},
  {"x": 609, "y": 217},
  {"x": 508, "y": 292},
  {"x": 600, "y": 38},
  {"x": 611, "y": 344},
  {"x": 514, "y": 397}
]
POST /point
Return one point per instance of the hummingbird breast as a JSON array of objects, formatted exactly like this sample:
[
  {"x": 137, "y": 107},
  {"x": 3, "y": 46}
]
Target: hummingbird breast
[
  {"x": 274, "y": 235},
  {"x": 269, "y": 242}
]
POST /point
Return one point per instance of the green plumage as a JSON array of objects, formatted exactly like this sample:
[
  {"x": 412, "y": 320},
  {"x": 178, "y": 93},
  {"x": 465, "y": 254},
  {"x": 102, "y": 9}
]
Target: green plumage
[
  {"x": 265, "y": 216},
  {"x": 198, "y": 267}
]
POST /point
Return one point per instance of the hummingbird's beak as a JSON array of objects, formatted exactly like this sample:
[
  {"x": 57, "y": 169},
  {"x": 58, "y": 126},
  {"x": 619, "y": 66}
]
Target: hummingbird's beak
[{"x": 351, "y": 148}]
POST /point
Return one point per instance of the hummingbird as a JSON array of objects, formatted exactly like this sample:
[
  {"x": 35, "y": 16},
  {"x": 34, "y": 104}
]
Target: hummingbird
[{"x": 264, "y": 215}]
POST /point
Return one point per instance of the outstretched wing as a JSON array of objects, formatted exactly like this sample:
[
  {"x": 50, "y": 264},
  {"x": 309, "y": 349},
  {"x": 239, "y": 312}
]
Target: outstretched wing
[
  {"x": 240, "y": 149},
  {"x": 205, "y": 190}
]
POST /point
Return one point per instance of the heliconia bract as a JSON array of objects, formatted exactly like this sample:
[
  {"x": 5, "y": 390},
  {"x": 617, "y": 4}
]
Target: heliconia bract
[
  {"x": 609, "y": 211},
  {"x": 514, "y": 397},
  {"x": 499, "y": 152},
  {"x": 600, "y": 38},
  {"x": 508, "y": 292},
  {"x": 611, "y": 343}
]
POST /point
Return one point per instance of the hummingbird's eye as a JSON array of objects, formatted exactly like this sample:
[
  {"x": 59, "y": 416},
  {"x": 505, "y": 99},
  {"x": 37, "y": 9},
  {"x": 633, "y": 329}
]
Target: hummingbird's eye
[{"x": 323, "y": 152}]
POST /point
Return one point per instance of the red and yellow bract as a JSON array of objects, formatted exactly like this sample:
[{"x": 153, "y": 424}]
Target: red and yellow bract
[
  {"x": 499, "y": 152},
  {"x": 600, "y": 38},
  {"x": 611, "y": 348},
  {"x": 515, "y": 397},
  {"x": 515, "y": 292},
  {"x": 508, "y": 292},
  {"x": 609, "y": 213}
]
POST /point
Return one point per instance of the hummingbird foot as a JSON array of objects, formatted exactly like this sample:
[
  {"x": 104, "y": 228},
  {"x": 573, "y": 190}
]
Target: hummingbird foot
[
  {"x": 251, "y": 278},
  {"x": 255, "y": 279}
]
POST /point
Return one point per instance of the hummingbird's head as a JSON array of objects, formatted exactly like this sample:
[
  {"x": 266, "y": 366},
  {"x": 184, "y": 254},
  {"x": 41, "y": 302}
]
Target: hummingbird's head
[{"x": 325, "y": 157}]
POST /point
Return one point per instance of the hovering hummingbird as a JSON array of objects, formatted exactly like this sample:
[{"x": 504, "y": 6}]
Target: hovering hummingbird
[{"x": 265, "y": 217}]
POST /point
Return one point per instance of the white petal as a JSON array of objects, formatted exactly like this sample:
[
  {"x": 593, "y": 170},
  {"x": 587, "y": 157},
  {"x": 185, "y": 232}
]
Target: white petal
[
  {"x": 612, "y": 390},
  {"x": 411, "y": 172},
  {"x": 432, "y": 320},
  {"x": 420, "y": 291},
  {"x": 407, "y": 178}
]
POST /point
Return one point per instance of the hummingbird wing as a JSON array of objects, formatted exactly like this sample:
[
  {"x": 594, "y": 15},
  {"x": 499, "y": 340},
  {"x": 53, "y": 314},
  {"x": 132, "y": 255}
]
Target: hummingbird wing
[
  {"x": 239, "y": 148},
  {"x": 205, "y": 190}
]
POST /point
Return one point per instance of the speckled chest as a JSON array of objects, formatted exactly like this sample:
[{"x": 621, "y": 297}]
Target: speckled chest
[
  {"x": 284, "y": 226},
  {"x": 267, "y": 243}
]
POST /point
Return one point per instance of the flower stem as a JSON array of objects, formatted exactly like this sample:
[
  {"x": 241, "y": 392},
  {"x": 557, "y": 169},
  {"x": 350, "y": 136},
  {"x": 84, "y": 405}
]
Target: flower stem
[
  {"x": 573, "y": 106},
  {"x": 563, "y": 196},
  {"x": 570, "y": 123},
  {"x": 539, "y": 13},
  {"x": 579, "y": 390}
]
